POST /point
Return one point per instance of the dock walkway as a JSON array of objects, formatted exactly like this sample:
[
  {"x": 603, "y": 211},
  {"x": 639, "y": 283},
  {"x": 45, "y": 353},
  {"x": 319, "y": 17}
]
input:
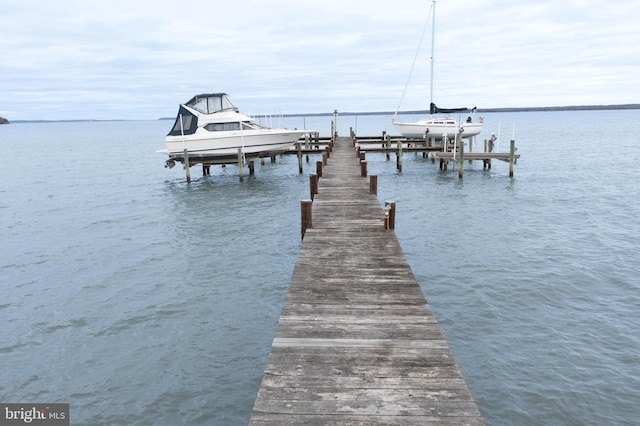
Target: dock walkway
[{"x": 356, "y": 342}]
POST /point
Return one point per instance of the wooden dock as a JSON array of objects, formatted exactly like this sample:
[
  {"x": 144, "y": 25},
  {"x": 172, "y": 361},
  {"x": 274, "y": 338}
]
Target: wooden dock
[{"x": 356, "y": 342}]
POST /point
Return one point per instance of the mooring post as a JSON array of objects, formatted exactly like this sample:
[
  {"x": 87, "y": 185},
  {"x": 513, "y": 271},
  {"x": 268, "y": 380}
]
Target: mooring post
[
  {"x": 252, "y": 168},
  {"x": 399, "y": 156},
  {"x": 186, "y": 165},
  {"x": 333, "y": 131},
  {"x": 305, "y": 216},
  {"x": 313, "y": 185},
  {"x": 387, "y": 140},
  {"x": 461, "y": 144},
  {"x": 324, "y": 157},
  {"x": 307, "y": 138},
  {"x": 363, "y": 168},
  {"x": 319, "y": 169},
  {"x": 373, "y": 184},
  {"x": 389, "y": 214},
  {"x": 512, "y": 154},
  {"x": 240, "y": 164}
]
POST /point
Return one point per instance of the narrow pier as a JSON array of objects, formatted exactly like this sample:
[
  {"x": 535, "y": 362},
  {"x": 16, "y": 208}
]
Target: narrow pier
[{"x": 356, "y": 342}]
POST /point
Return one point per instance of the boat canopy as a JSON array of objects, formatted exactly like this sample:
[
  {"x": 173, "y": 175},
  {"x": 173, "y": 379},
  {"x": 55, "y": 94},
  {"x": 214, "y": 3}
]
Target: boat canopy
[
  {"x": 210, "y": 103},
  {"x": 186, "y": 123},
  {"x": 435, "y": 110}
]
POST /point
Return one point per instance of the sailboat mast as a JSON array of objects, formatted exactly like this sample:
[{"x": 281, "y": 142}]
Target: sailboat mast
[{"x": 433, "y": 43}]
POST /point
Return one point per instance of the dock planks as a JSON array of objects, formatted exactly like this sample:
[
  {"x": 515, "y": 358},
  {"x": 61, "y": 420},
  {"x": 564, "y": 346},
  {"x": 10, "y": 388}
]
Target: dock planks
[{"x": 356, "y": 342}]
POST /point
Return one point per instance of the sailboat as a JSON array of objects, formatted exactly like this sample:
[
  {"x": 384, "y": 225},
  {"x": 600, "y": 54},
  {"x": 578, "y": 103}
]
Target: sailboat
[{"x": 439, "y": 127}]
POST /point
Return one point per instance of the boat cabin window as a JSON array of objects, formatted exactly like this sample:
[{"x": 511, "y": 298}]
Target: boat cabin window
[{"x": 226, "y": 127}]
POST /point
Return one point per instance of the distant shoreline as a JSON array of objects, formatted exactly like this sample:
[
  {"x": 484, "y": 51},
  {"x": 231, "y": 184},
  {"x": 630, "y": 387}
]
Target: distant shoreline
[
  {"x": 347, "y": 113},
  {"x": 479, "y": 110}
]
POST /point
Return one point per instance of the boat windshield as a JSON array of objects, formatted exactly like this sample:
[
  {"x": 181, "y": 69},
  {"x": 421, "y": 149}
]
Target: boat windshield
[{"x": 209, "y": 104}]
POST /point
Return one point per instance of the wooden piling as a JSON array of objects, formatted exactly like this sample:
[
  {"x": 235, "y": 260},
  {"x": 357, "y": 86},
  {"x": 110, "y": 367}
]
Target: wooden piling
[
  {"x": 399, "y": 156},
  {"x": 389, "y": 214},
  {"x": 313, "y": 185},
  {"x": 305, "y": 216},
  {"x": 373, "y": 184},
  {"x": 319, "y": 169},
  {"x": 363, "y": 168},
  {"x": 387, "y": 139},
  {"x": 186, "y": 165},
  {"x": 240, "y": 165},
  {"x": 252, "y": 168},
  {"x": 299, "y": 146},
  {"x": 512, "y": 152},
  {"x": 461, "y": 160}
]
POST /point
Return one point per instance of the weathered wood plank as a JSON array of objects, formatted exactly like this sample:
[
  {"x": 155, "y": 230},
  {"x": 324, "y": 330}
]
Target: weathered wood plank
[{"x": 356, "y": 342}]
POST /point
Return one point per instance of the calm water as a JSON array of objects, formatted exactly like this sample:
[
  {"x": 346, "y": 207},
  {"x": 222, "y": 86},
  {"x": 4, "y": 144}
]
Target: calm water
[{"x": 139, "y": 299}]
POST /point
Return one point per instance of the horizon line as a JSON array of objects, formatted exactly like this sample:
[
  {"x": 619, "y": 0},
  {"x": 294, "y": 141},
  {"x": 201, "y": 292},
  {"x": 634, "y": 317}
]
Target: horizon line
[{"x": 350, "y": 113}]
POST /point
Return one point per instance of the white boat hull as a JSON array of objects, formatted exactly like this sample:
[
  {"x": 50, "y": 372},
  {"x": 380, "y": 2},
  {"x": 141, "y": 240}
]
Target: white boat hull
[
  {"x": 436, "y": 130},
  {"x": 252, "y": 143}
]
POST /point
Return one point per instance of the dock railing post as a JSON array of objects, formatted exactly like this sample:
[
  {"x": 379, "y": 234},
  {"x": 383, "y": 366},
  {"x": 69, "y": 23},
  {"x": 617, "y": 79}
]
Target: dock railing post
[
  {"x": 313, "y": 185},
  {"x": 373, "y": 184},
  {"x": 305, "y": 216},
  {"x": 389, "y": 214},
  {"x": 363, "y": 168}
]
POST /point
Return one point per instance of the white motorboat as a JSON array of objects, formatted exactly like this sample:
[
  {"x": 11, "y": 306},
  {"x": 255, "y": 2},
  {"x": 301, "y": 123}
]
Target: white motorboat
[
  {"x": 212, "y": 130},
  {"x": 437, "y": 128}
]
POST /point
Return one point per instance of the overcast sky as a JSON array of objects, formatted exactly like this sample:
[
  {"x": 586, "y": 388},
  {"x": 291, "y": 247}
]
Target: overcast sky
[{"x": 139, "y": 59}]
